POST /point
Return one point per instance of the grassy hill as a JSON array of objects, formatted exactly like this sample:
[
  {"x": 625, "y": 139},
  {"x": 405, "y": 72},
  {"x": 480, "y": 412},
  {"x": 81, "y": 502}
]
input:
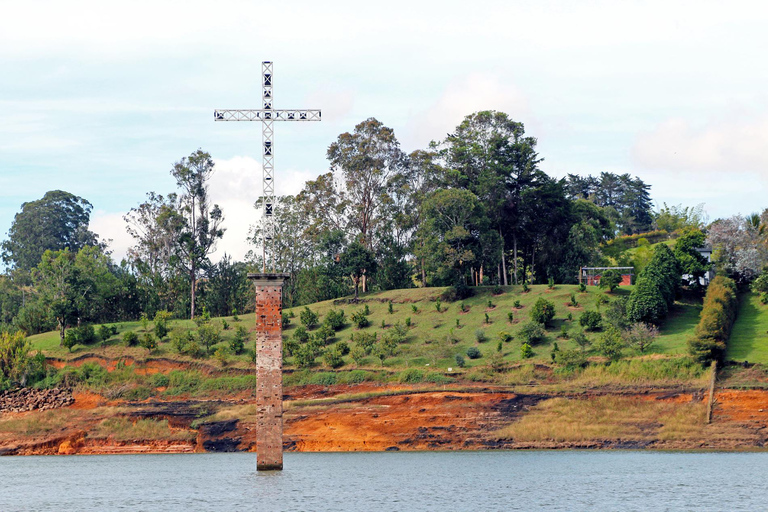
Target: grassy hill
[
  {"x": 434, "y": 337},
  {"x": 749, "y": 336}
]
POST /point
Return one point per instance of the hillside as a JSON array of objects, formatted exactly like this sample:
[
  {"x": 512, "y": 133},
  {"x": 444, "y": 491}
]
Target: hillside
[{"x": 131, "y": 400}]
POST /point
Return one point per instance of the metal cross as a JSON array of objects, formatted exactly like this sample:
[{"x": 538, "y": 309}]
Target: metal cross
[{"x": 267, "y": 115}]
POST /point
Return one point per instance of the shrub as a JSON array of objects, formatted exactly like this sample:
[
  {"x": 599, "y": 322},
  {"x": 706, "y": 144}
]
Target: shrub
[
  {"x": 526, "y": 351},
  {"x": 438, "y": 305},
  {"x": 408, "y": 322},
  {"x": 574, "y": 303},
  {"x": 510, "y": 317},
  {"x": 656, "y": 288},
  {"x": 610, "y": 344},
  {"x": 308, "y": 318},
  {"x": 300, "y": 334},
  {"x": 480, "y": 336},
  {"x": 84, "y": 334},
  {"x": 591, "y": 320},
  {"x": 366, "y": 310},
  {"x": 144, "y": 321},
  {"x": 551, "y": 283},
  {"x": 569, "y": 317},
  {"x": 104, "y": 333},
  {"x": 305, "y": 355},
  {"x": 564, "y": 332},
  {"x": 333, "y": 358},
  {"x": 463, "y": 307},
  {"x": 365, "y": 340},
  {"x": 221, "y": 356},
  {"x": 237, "y": 343},
  {"x": 616, "y": 314},
  {"x": 487, "y": 318},
  {"x": 335, "y": 319},
  {"x": 582, "y": 287},
  {"x": 285, "y": 321},
  {"x": 491, "y": 305},
  {"x": 360, "y": 319},
  {"x": 526, "y": 288},
  {"x": 716, "y": 321},
  {"x": 581, "y": 340},
  {"x": 180, "y": 339},
  {"x": 208, "y": 335},
  {"x": 130, "y": 338},
  {"x": 400, "y": 331},
  {"x": 235, "y": 318},
  {"x": 473, "y": 353},
  {"x": 505, "y": 336},
  {"x": 458, "y": 324},
  {"x": 323, "y": 335},
  {"x": 532, "y": 333},
  {"x": 414, "y": 308},
  {"x": 358, "y": 354},
  {"x": 543, "y": 311},
  {"x": 641, "y": 336},
  {"x": 411, "y": 376},
  {"x": 343, "y": 347},
  {"x": 383, "y": 324},
  {"x": 148, "y": 341},
  {"x": 457, "y": 292},
  {"x": 517, "y": 305},
  {"x": 570, "y": 359},
  {"x": 161, "y": 324},
  {"x": 460, "y": 361},
  {"x": 390, "y": 308},
  {"x": 451, "y": 337},
  {"x": 497, "y": 290},
  {"x": 610, "y": 279}
]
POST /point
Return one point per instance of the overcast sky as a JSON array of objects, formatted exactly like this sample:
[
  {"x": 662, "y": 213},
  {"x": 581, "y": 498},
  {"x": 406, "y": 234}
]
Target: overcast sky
[{"x": 101, "y": 98}]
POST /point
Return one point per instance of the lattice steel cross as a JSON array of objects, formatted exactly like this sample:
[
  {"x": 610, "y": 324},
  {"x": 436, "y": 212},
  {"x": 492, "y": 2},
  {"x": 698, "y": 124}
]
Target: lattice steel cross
[{"x": 267, "y": 116}]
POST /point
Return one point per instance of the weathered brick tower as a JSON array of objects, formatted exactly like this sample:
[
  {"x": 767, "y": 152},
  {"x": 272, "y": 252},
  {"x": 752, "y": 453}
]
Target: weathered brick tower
[{"x": 269, "y": 370}]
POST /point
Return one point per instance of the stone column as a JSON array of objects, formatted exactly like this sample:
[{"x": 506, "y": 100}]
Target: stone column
[{"x": 269, "y": 370}]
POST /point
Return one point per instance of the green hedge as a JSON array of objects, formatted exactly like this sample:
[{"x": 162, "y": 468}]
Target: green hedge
[
  {"x": 716, "y": 321},
  {"x": 656, "y": 288}
]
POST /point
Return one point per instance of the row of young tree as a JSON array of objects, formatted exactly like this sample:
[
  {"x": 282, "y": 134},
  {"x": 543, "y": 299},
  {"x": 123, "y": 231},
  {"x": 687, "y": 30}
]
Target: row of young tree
[{"x": 473, "y": 208}]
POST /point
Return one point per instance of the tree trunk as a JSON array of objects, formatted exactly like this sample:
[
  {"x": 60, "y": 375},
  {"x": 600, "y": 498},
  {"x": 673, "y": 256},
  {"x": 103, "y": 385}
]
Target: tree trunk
[
  {"x": 423, "y": 274},
  {"x": 355, "y": 281},
  {"x": 193, "y": 286},
  {"x": 61, "y": 332},
  {"x": 480, "y": 277},
  {"x": 514, "y": 254},
  {"x": 364, "y": 284},
  {"x": 503, "y": 262}
]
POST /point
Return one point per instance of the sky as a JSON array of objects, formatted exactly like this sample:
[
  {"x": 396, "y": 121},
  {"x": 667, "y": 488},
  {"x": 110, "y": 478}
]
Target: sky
[{"x": 100, "y": 99}]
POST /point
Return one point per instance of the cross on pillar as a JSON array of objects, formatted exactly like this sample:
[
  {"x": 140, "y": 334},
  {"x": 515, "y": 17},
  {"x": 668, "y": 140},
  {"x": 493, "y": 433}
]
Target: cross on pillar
[
  {"x": 267, "y": 116},
  {"x": 269, "y": 287}
]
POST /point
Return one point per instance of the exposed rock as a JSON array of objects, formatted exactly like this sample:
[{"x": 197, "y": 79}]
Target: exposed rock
[{"x": 28, "y": 399}]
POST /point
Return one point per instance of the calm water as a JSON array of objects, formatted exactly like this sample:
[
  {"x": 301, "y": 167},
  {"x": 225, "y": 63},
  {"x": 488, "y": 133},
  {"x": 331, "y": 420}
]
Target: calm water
[{"x": 476, "y": 481}]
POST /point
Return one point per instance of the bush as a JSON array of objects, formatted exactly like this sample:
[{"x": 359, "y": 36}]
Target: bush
[
  {"x": 358, "y": 354},
  {"x": 543, "y": 311},
  {"x": 497, "y": 290},
  {"x": 411, "y": 376},
  {"x": 161, "y": 324},
  {"x": 526, "y": 351},
  {"x": 460, "y": 361},
  {"x": 581, "y": 340},
  {"x": 480, "y": 336},
  {"x": 656, "y": 288},
  {"x": 716, "y": 321},
  {"x": 333, "y": 358},
  {"x": 130, "y": 338},
  {"x": 408, "y": 322},
  {"x": 610, "y": 344},
  {"x": 148, "y": 341},
  {"x": 360, "y": 319},
  {"x": 582, "y": 287},
  {"x": 532, "y": 333},
  {"x": 505, "y": 336},
  {"x": 390, "y": 308},
  {"x": 457, "y": 292},
  {"x": 83, "y": 335},
  {"x": 221, "y": 356},
  {"x": 473, "y": 353},
  {"x": 285, "y": 320},
  {"x": 343, "y": 347},
  {"x": 104, "y": 333},
  {"x": 237, "y": 343},
  {"x": 641, "y": 336},
  {"x": 308, "y": 318},
  {"x": 208, "y": 335},
  {"x": 300, "y": 334},
  {"x": 570, "y": 359},
  {"x": 335, "y": 319},
  {"x": 365, "y": 340},
  {"x": 610, "y": 279},
  {"x": 414, "y": 308},
  {"x": 324, "y": 335},
  {"x": 551, "y": 283},
  {"x": 616, "y": 314},
  {"x": 574, "y": 303},
  {"x": 591, "y": 320}
]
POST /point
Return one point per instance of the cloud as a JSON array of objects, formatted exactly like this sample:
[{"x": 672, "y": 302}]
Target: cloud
[
  {"x": 462, "y": 97},
  {"x": 111, "y": 226},
  {"x": 335, "y": 101},
  {"x": 732, "y": 146}
]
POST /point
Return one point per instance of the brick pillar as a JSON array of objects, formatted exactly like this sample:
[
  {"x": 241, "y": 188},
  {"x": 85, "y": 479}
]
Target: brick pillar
[{"x": 269, "y": 370}]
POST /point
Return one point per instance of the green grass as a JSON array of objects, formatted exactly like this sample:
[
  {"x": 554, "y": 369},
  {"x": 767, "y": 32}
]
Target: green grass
[
  {"x": 749, "y": 336},
  {"x": 434, "y": 338}
]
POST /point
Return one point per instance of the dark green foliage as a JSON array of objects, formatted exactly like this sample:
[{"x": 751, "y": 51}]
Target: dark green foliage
[
  {"x": 564, "y": 332},
  {"x": 555, "y": 350},
  {"x": 463, "y": 307},
  {"x": 480, "y": 336},
  {"x": 692, "y": 264},
  {"x": 161, "y": 324},
  {"x": 610, "y": 279},
  {"x": 716, "y": 321},
  {"x": 57, "y": 221},
  {"x": 610, "y": 344},
  {"x": 357, "y": 261},
  {"x": 105, "y": 332},
  {"x": 526, "y": 288},
  {"x": 574, "y": 303},
  {"x": 543, "y": 311},
  {"x": 570, "y": 359},
  {"x": 365, "y": 340},
  {"x": 497, "y": 290},
  {"x": 414, "y": 308},
  {"x": 516, "y": 304},
  {"x": 83, "y": 335},
  {"x": 473, "y": 353},
  {"x": 457, "y": 292},
  {"x": 208, "y": 335},
  {"x": 335, "y": 319},
  {"x": 360, "y": 319},
  {"x": 323, "y": 335},
  {"x": 581, "y": 340},
  {"x": 148, "y": 341},
  {"x": 582, "y": 287},
  {"x": 333, "y": 357},
  {"x": 130, "y": 338},
  {"x": 300, "y": 334},
  {"x": 656, "y": 288},
  {"x": 551, "y": 283},
  {"x": 510, "y": 317},
  {"x": 285, "y": 321},
  {"x": 343, "y": 347},
  {"x": 616, "y": 314},
  {"x": 390, "y": 308},
  {"x": 591, "y": 320},
  {"x": 487, "y": 318},
  {"x": 366, "y": 310},
  {"x": 438, "y": 305},
  {"x": 308, "y": 318},
  {"x": 460, "y": 361},
  {"x": 408, "y": 322},
  {"x": 237, "y": 344},
  {"x": 532, "y": 333}
]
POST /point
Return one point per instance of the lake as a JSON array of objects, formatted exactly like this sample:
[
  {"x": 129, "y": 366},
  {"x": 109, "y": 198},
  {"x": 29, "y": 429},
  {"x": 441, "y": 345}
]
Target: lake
[{"x": 412, "y": 481}]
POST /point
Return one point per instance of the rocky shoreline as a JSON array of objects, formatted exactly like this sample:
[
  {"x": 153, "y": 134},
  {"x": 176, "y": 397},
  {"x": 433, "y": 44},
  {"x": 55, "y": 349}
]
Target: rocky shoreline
[{"x": 28, "y": 399}]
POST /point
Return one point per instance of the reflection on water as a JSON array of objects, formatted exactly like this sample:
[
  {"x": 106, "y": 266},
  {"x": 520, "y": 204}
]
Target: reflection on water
[{"x": 477, "y": 481}]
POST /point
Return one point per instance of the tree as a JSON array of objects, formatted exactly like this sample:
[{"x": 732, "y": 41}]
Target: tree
[
  {"x": 57, "y": 281},
  {"x": 57, "y": 221},
  {"x": 693, "y": 265},
  {"x": 357, "y": 261},
  {"x": 739, "y": 248},
  {"x": 202, "y": 226},
  {"x": 610, "y": 279},
  {"x": 367, "y": 160},
  {"x": 543, "y": 311}
]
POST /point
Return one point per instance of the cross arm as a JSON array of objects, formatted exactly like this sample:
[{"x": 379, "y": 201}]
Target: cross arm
[{"x": 266, "y": 115}]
